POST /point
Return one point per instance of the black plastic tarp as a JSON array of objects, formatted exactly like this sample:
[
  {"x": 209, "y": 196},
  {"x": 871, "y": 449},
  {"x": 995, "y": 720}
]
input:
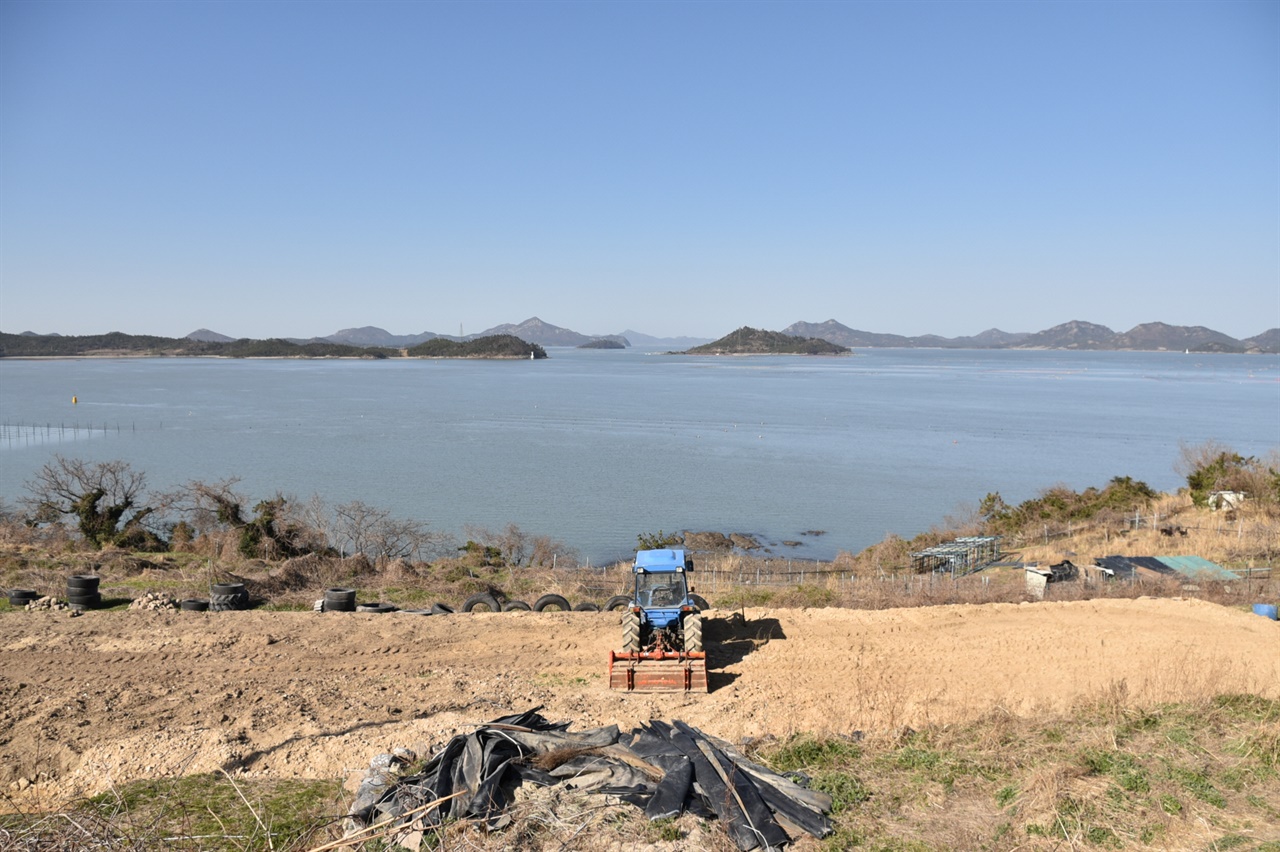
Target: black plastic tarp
[{"x": 666, "y": 769}]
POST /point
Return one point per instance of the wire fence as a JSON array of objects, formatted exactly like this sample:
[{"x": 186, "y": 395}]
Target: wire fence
[{"x": 14, "y": 435}]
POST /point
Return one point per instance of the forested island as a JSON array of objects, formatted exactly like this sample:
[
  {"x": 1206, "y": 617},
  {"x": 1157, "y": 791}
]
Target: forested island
[
  {"x": 119, "y": 345},
  {"x": 756, "y": 341}
]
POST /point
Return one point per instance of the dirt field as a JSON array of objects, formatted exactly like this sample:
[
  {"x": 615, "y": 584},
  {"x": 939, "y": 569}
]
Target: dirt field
[{"x": 109, "y": 697}]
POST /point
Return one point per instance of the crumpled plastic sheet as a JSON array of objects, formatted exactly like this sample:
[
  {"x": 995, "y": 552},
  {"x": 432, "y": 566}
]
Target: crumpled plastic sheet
[{"x": 666, "y": 769}]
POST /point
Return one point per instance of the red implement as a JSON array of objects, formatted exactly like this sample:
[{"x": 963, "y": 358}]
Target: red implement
[{"x": 656, "y": 671}]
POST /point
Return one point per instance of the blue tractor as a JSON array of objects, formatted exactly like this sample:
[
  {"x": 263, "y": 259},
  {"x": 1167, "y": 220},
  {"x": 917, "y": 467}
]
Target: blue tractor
[{"x": 661, "y": 629}]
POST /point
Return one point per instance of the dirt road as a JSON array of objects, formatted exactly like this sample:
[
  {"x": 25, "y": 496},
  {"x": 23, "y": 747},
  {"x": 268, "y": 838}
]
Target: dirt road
[{"x": 113, "y": 696}]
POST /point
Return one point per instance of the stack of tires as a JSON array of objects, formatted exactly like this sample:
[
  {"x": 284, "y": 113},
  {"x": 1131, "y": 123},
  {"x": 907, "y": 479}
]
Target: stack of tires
[
  {"x": 339, "y": 600},
  {"x": 82, "y": 591},
  {"x": 227, "y": 597},
  {"x": 19, "y": 598}
]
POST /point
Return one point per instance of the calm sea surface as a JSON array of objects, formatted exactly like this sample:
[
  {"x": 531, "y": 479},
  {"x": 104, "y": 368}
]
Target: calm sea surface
[{"x": 593, "y": 447}]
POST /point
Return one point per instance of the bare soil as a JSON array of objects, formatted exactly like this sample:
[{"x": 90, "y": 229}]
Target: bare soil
[{"x": 108, "y": 697}]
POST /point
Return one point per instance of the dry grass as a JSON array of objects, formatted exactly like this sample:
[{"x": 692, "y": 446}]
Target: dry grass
[{"x": 1246, "y": 541}]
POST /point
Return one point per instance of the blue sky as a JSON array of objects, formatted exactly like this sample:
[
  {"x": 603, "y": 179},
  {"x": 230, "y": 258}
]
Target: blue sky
[{"x": 291, "y": 168}]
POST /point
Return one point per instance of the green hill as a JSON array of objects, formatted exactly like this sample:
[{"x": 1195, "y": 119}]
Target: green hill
[
  {"x": 755, "y": 341},
  {"x": 495, "y": 346}
]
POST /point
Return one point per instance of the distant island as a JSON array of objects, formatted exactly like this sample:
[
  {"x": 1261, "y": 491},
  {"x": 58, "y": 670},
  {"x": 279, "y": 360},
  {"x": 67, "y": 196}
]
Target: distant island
[
  {"x": 755, "y": 341},
  {"x": 495, "y": 346},
  {"x": 118, "y": 345},
  {"x": 374, "y": 342}
]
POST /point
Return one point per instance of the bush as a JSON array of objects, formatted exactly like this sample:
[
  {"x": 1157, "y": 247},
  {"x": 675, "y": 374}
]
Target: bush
[{"x": 1212, "y": 467}]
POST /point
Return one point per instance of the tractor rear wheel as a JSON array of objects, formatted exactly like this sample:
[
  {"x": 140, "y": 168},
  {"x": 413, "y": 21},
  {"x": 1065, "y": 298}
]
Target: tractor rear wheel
[
  {"x": 631, "y": 632},
  {"x": 693, "y": 632}
]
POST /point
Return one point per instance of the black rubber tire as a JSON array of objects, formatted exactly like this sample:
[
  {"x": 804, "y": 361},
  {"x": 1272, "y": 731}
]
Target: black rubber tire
[
  {"x": 483, "y": 599},
  {"x": 549, "y": 601},
  {"x": 228, "y": 603},
  {"x": 229, "y": 589},
  {"x": 376, "y": 607},
  {"x": 693, "y": 632},
  {"x": 441, "y": 609},
  {"x": 339, "y": 600},
  {"x": 194, "y": 605},
  {"x": 82, "y": 583},
  {"x": 630, "y": 632},
  {"x": 22, "y": 597},
  {"x": 699, "y": 601},
  {"x": 586, "y": 606},
  {"x": 92, "y": 599},
  {"x": 618, "y": 603},
  {"x": 417, "y": 612},
  {"x": 516, "y": 606}
]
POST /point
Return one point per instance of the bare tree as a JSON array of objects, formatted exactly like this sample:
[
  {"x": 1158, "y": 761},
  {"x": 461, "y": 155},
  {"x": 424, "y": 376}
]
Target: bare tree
[
  {"x": 354, "y": 524},
  {"x": 361, "y": 528},
  {"x": 211, "y": 506},
  {"x": 106, "y": 499},
  {"x": 546, "y": 552}
]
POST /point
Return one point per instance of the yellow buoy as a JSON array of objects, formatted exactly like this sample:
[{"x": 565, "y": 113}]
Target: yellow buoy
[{"x": 74, "y": 400}]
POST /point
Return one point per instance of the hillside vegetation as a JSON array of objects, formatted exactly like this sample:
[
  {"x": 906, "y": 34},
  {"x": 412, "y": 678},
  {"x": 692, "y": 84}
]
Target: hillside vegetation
[
  {"x": 117, "y": 344},
  {"x": 495, "y": 346},
  {"x": 755, "y": 341}
]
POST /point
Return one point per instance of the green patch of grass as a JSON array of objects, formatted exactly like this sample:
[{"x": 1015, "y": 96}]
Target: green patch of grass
[
  {"x": 813, "y": 753},
  {"x": 1119, "y": 766},
  {"x": 663, "y": 831},
  {"x": 1170, "y": 804},
  {"x": 1247, "y": 706},
  {"x": 942, "y": 767},
  {"x": 1098, "y": 836},
  {"x": 211, "y": 812},
  {"x": 1262, "y": 804},
  {"x": 1006, "y": 794},
  {"x": 844, "y": 788},
  {"x": 1140, "y": 723},
  {"x": 1199, "y": 785}
]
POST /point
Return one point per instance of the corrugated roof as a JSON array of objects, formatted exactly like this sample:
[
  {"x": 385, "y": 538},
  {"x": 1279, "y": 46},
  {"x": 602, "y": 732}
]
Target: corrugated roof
[
  {"x": 1191, "y": 567},
  {"x": 1152, "y": 563},
  {"x": 1120, "y": 566},
  {"x": 1197, "y": 567}
]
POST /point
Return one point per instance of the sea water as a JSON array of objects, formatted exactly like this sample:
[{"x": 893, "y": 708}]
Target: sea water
[{"x": 592, "y": 447}]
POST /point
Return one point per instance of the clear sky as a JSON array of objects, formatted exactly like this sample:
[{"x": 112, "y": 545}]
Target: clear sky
[{"x": 294, "y": 168}]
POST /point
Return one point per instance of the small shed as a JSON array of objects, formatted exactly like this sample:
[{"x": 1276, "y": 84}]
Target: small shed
[{"x": 1226, "y": 499}]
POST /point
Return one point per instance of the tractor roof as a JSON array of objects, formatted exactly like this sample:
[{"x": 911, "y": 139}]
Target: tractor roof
[{"x": 660, "y": 560}]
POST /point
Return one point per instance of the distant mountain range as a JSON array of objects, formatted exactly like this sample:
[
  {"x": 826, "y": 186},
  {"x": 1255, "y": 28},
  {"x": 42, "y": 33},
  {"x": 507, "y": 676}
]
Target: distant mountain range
[
  {"x": 1152, "y": 336},
  {"x": 1148, "y": 337},
  {"x": 532, "y": 330}
]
